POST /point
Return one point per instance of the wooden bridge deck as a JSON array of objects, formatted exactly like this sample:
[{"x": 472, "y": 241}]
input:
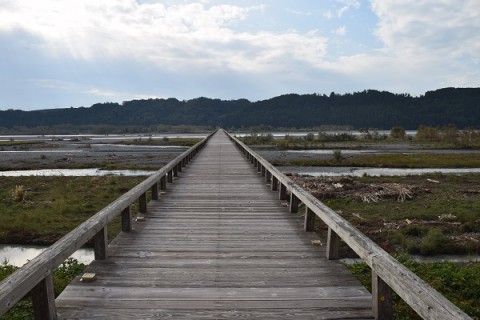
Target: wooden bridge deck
[{"x": 218, "y": 245}]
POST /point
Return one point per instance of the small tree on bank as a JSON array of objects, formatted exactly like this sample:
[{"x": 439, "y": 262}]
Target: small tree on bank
[{"x": 397, "y": 132}]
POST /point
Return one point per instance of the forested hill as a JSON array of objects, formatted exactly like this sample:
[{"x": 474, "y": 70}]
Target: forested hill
[{"x": 371, "y": 108}]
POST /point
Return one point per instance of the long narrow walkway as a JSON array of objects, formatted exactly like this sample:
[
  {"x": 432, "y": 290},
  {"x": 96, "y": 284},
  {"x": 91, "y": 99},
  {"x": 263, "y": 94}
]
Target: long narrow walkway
[{"x": 218, "y": 245}]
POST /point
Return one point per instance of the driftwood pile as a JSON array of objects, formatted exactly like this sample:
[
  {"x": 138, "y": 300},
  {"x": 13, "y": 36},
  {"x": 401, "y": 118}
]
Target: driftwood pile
[{"x": 340, "y": 187}]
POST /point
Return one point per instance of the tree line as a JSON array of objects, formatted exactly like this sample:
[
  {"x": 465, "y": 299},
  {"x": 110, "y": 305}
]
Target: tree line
[{"x": 366, "y": 109}]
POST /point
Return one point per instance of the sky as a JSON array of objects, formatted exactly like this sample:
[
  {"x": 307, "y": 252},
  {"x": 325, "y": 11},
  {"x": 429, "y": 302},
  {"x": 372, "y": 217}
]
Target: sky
[{"x": 70, "y": 53}]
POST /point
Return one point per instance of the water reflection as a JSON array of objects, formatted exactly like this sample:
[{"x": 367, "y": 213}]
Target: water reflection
[
  {"x": 18, "y": 255},
  {"x": 376, "y": 172},
  {"x": 74, "y": 173}
]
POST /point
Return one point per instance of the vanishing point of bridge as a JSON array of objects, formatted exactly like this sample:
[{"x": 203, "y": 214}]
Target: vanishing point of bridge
[{"x": 218, "y": 240}]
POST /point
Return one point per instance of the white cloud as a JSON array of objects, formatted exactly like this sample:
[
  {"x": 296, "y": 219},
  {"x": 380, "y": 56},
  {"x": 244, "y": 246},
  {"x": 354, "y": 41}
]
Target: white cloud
[
  {"x": 341, "y": 31},
  {"x": 169, "y": 36},
  {"x": 426, "y": 30},
  {"x": 347, "y": 5}
]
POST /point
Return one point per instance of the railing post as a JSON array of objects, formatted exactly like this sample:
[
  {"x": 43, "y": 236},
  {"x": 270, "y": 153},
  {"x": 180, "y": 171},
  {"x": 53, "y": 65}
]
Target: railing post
[
  {"x": 293, "y": 203},
  {"x": 127, "y": 219},
  {"x": 252, "y": 159},
  {"x": 154, "y": 190},
  {"x": 309, "y": 224},
  {"x": 43, "y": 299},
  {"x": 163, "y": 183},
  {"x": 381, "y": 298},
  {"x": 179, "y": 166},
  {"x": 333, "y": 245},
  {"x": 282, "y": 195},
  {"x": 263, "y": 170},
  {"x": 274, "y": 185},
  {"x": 268, "y": 177},
  {"x": 259, "y": 166},
  {"x": 170, "y": 176},
  {"x": 142, "y": 203},
  {"x": 100, "y": 241},
  {"x": 175, "y": 171}
]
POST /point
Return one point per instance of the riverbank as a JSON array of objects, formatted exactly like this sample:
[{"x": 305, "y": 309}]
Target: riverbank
[{"x": 105, "y": 152}]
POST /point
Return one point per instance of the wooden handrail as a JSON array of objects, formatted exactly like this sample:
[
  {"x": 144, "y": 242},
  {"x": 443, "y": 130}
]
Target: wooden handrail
[
  {"x": 387, "y": 272},
  {"x": 36, "y": 275}
]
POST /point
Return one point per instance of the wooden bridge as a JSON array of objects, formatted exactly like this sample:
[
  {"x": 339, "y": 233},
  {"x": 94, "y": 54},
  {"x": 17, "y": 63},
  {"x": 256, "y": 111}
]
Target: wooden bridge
[{"x": 218, "y": 240}]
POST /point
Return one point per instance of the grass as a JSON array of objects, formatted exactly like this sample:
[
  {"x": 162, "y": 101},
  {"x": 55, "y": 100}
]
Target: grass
[
  {"x": 459, "y": 283},
  {"x": 53, "y": 206},
  {"x": 443, "y": 218},
  {"x": 62, "y": 276},
  {"x": 19, "y": 143},
  {"x": 423, "y": 160}
]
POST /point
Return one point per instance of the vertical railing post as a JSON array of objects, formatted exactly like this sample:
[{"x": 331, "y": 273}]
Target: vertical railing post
[
  {"x": 259, "y": 166},
  {"x": 309, "y": 224},
  {"x": 170, "y": 176},
  {"x": 43, "y": 299},
  {"x": 264, "y": 171},
  {"x": 268, "y": 177},
  {"x": 175, "y": 171},
  {"x": 282, "y": 194},
  {"x": 154, "y": 191},
  {"x": 100, "y": 241},
  {"x": 179, "y": 166},
  {"x": 127, "y": 219},
  {"x": 163, "y": 183},
  {"x": 293, "y": 203},
  {"x": 381, "y": 298},
  {"x": 333, "y": 245},
  {"x": 274, "y": 185},
  {"x": 142, "y": 203}
]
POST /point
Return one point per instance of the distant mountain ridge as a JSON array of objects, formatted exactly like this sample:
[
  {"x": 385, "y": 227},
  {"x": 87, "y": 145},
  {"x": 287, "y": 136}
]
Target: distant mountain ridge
[{"x": 369, "y": 108}]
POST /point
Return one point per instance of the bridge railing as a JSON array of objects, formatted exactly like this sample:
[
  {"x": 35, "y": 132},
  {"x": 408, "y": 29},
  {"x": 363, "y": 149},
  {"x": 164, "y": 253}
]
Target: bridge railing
[
  {"x": 36, "y": 275},
  {"x": 387, "y": 273}
]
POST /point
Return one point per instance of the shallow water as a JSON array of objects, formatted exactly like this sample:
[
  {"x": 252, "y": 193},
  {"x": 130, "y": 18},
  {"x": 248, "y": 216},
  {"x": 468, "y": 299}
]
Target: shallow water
[
  {"x": 74, "y": 173},
  {"x": 376, "y": 172},
  {"x": 18, "y": 255}
]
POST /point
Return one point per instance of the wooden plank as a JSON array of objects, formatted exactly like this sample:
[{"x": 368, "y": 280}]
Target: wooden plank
[
  {"x": 17, "y": 285},
  {"x": 218, "y": 245},
  {"x": 425, "y": 300}
]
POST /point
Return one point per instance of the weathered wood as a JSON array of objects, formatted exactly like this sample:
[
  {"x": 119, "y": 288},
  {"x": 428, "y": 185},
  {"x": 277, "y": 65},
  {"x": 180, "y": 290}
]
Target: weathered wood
[
  {"x": 175, "y": 171},
  {"x": 382, "y": 302},
  {"x": 218, "y": 240},
  {"x": 294, "y": 202},
  {"x": 274, "y": 185},
  {"x": 17, "y": 285},
  {"x": 154, "y": 191},
  {"x": 43, "y": 299},
  {"x": 100, "y": 242},
  {"x": 179, "y": 167},
  {"x": 333, "y": 245},
  {"x": 163, "y": 183},
  {"x": 426, "y": 301},
  {"x": 309, "y": 222},
  {"x": 268, "y": 177},
  {"x": 127, "y": 219},
  {"x": 170, "y": 176},
  {"x": 262, "y": 168},
  {"x": 142, "y": 203},
  {"x": 282, "y": 195}
]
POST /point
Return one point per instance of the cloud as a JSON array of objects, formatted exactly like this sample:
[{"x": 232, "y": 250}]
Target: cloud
[
  {"x": 347, "y": 5},
  {"x": 425, "y": 30},
  {"x": 182, "y": 35},
  {"x": 341, "y": 31}
]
